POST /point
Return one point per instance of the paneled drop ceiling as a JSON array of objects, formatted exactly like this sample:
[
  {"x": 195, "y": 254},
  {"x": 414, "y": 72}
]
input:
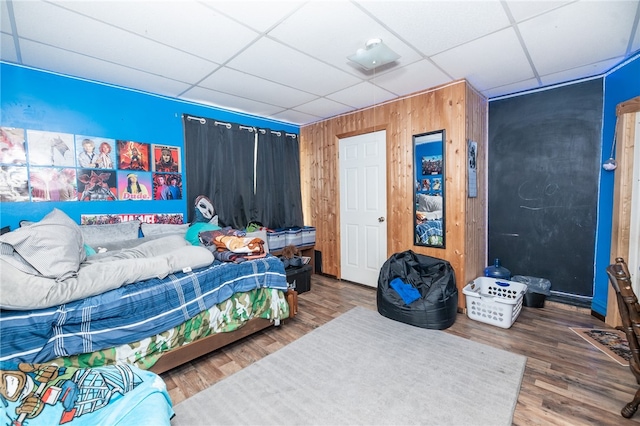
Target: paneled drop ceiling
[{"x": 287, "y": 60}]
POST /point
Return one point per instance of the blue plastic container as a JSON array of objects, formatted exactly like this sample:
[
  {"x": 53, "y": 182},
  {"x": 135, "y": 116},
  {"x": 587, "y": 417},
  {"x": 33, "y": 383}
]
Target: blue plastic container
[{"x": 497, "y": 271}]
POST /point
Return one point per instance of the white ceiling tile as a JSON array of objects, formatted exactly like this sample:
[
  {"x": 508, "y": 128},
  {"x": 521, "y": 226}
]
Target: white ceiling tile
[
  {"x": 192, "y": 27},
  {"x": 230, "y": 102},
  {"x": 273, "y": 61},
  {"x": 635, "y": 44},
  {"x": 416, "y": 77},
  {"x": 7, "y": 48},
  {"x": 323, "y": 107},
  {"x": 362, "y": 95},
  {"x": 580, "y": 72},
  {"x": 295, "y": 117},
  {"x": 72, "y": 64},
  {"x": 351, "y": 28},
  {"x": 5, "y": 24},
  {"x": 259, "y": 15},
  {"x": 105, "y": 42},
  {"x": 521, "y": 10},
  {"x": 247, "y": 86},
  {"x": 435, "y": 26},
  {"x": 487, "y": 62},
  {"x": 578, "y": 34},
  {"x": 509, "y": 89}
]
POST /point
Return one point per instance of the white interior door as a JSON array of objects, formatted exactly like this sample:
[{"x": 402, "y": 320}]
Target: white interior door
[
  {"x": 363, "y": 207},
  {"x": 634, "y": 232}
]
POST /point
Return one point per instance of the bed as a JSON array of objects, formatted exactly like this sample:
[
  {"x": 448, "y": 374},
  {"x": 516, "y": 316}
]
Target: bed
[{"x": 153, "y": 302}]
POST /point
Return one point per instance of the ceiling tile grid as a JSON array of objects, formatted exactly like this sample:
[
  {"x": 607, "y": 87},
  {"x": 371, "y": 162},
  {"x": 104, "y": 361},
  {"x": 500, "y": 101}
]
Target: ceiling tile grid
[{"x": 288, "y": 60}]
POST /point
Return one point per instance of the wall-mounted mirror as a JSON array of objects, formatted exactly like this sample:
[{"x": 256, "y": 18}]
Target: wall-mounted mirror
[{"x": 429, "y": 200}]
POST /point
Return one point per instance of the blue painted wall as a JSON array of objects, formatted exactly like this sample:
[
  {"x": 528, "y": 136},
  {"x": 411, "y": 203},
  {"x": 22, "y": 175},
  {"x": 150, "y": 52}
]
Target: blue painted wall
[
  {"x": 620, "y": 85},
  {"x": 38, "y": 100}
]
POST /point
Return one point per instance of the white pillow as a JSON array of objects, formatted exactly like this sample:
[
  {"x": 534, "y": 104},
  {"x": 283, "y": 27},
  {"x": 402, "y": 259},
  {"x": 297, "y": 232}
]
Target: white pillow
[
  {"x": 429, "y": 203},
  {"x": 95, "y": 235},
  {"x": 149, "y": 229},
  {"x": 52, "y": 247}
]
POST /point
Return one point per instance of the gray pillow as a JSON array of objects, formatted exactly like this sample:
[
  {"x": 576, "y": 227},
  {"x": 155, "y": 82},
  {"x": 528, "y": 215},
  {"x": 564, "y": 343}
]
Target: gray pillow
[
  {"x": 429, "y": 203},
  {"x": 97, "y": 235},
  {"x": 149, "y": 229},
  {"x": 52, "y": 247}
]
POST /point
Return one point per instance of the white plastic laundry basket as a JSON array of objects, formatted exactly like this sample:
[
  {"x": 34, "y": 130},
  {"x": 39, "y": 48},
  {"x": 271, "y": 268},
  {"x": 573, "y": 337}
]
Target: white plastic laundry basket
[{"x": 494, "y": 301}]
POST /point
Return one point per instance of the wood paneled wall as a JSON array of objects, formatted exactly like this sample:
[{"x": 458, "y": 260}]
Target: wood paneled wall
[
  {"x": 622, "y": 193},
  {"x": 458, "y": 109}
]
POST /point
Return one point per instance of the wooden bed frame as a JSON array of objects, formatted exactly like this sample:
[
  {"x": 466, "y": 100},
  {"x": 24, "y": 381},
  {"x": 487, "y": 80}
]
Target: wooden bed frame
[{"x": 193, "y": 350}]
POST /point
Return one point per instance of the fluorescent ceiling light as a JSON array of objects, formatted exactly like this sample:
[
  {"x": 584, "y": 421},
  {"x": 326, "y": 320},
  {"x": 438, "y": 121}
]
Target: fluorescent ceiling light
[{"x": 374, "y": 54}]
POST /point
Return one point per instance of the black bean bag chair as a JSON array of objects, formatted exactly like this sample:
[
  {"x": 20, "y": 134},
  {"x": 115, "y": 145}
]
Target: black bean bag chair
[{"x": 418, "y": 290}]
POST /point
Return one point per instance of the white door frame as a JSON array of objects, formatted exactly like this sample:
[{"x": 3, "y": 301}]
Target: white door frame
[{"x": 363, "y": 206}]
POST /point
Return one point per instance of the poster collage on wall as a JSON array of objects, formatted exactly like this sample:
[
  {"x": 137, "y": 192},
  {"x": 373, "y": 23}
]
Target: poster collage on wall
[
  {"x": 49, "y": 166},
  {"x": 430, "y": 180},
  {"x": 110, "y": 219}
]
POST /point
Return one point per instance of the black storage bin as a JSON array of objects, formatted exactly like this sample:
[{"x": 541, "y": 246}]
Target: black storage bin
[
  {"x": 534, "y": 300},
  {"x": 434, "y": 279},
  {"x": 537, "y": 290},
  {"x": 299, "y": 278}
]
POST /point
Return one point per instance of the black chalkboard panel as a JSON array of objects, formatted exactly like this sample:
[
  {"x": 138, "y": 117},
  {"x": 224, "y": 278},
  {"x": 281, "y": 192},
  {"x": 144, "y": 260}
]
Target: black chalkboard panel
[{"x": 544, "y": 163}]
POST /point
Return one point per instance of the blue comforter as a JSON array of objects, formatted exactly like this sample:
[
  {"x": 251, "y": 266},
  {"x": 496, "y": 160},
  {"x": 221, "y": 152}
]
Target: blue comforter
[{"x": 129, "y": 313}]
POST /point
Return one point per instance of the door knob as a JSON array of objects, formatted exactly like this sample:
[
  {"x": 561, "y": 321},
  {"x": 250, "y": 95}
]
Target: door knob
[{"x": 381, "y": 219}]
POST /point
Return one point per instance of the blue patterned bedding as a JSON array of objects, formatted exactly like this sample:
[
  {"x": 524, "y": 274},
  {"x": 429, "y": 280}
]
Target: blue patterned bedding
[
  {"x": 129, "y": 313},
  {"x": 429, "y": 231},
  {"x": 42, "y": 394}
]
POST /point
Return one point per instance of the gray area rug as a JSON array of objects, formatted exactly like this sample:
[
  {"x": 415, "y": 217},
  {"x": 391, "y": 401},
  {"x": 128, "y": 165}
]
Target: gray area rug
[{"x": 363, "y": 368}]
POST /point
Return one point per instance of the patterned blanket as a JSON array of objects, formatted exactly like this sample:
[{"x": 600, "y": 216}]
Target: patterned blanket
[
  {"x": 227, "y": 316},
  {"x": 46, "y": 394}
]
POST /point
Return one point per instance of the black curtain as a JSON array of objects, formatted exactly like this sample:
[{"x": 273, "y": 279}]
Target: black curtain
[
  {"x": 219, "y": 164},
  {"x": 278, "y": 197},
  {"x": 220, "y": 160}
]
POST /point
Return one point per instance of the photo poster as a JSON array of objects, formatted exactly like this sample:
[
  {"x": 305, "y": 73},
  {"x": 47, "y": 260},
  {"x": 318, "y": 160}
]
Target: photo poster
[
  {"x": 133, "y": 185},
  {"x": 94, "y": 152},
  {"x": 12, "y": 146},
  {"x": 97, "y": 185},
  {"x": 166, "y": 159},
  {"x": 152, "y": 218},
  {"x": 429, "y": 161},
  {"x": 14, "y": 184},
  {"x": 167, "y": 186},
  {"x": 133, "y": 155},
  {"x": 472, "y": 154},
  {"x": 53, "y": 184},
  {"x": 51, "y": 149}
]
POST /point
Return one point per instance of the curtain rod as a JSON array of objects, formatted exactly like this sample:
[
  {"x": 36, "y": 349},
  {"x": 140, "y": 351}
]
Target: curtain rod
[
  {"x": 200, "y": 119},
  {"x": 275, "y": 132},
  {"x": 251, "y": 129}
]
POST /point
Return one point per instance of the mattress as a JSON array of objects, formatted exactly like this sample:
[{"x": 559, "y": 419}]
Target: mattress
[{"x": 130, "y": 313}]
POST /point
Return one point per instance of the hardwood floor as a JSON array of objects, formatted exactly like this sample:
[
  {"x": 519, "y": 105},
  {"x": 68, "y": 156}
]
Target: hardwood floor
[{"x": 566, "y": 381}]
